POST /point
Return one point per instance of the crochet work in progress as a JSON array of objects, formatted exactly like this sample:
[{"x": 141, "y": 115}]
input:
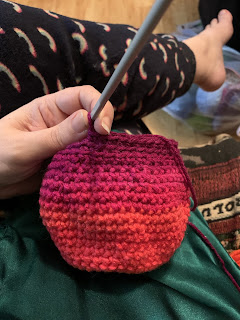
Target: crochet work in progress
[{"x": 116, "y": 203}]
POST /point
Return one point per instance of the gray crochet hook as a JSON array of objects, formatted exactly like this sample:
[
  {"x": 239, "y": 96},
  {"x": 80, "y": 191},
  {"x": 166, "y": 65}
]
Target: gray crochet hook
[{"x": 141, "y": 37}]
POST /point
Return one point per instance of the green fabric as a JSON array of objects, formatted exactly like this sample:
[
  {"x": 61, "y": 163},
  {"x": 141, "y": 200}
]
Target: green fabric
[{"x": 37, "y": 284}]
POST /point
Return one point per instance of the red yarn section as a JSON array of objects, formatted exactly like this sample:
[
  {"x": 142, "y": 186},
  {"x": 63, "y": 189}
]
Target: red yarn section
[{"x": 116, "y": 203}]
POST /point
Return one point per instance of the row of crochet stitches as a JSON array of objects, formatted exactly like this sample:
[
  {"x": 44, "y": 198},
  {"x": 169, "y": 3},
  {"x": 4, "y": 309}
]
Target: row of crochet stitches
[{"x": 116, "y": 203}]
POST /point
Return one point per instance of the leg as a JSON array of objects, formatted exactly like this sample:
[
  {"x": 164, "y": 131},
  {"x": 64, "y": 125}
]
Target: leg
[
  {"x": 36, "y": 55},
  {"x": 44, "y": 52},
  {"x": 207, "y": 48}
]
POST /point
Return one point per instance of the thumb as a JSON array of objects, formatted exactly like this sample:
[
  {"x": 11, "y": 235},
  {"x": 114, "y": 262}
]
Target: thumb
[{"x": 45, "y": 143}]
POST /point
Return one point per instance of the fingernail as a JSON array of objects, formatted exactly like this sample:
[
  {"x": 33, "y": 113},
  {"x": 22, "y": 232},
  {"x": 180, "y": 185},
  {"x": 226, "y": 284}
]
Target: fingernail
[
  {"x": 106, "y": 124},
  {"x": 79, "y": 122}
]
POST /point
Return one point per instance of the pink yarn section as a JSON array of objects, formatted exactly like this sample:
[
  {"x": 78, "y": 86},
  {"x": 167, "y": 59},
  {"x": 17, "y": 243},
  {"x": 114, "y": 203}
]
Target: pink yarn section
[{"x": 116, "y": 203}]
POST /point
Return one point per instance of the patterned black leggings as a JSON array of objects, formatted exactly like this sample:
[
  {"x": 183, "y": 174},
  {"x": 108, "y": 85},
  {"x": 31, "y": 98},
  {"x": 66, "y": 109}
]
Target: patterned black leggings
[{"x": 42, "y": 52}]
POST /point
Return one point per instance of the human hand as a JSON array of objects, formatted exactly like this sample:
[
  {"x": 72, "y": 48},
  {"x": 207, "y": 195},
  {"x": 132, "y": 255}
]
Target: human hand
[{"x": 39, "y": 129}]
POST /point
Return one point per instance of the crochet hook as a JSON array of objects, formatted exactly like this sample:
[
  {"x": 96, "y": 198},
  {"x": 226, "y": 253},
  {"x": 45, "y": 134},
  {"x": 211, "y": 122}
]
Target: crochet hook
[{"x": 141, "y": 37}]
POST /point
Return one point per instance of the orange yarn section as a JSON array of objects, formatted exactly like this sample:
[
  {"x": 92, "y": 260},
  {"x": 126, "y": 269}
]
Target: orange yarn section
[
  {"x": 236, "y": 256},
  {"x": 128, "y": 242}
]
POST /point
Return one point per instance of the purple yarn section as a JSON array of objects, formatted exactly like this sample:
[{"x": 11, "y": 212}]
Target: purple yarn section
[
  {"x": 172, "y": 146},
  {"x": 208, "y": 243}
]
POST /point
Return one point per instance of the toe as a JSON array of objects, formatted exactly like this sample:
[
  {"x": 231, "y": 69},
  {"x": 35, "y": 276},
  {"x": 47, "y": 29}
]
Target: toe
[
  {"x": 225, "y": 24},
  {"x": 225, "y": 15},
  {"x": 214, "y": 22}
]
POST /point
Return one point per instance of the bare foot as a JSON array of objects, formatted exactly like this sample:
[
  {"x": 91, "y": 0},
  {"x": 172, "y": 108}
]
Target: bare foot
[{"x": 207, "y": 47}]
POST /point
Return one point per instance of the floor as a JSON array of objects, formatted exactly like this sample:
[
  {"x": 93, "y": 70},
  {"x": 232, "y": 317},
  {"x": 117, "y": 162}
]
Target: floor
[
  {"x": 109, "y": 11},
  {"x": 180, "y": 11}
]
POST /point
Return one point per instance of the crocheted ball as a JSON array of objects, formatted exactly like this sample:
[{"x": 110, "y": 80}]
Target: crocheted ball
[{"x": 116, "y": 203}]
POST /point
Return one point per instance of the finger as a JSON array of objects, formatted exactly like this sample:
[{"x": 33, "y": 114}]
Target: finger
[
  {"x": 89, "y": 97},
  {"x": 103, "y": 123},
  {"x": 85, "y": 97},
  {"x": 68, "y": 100},
  {"x": 72, "y": 99},
  {"x": 45, "y": 143},
  {"x": 52, "y": 109}
]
